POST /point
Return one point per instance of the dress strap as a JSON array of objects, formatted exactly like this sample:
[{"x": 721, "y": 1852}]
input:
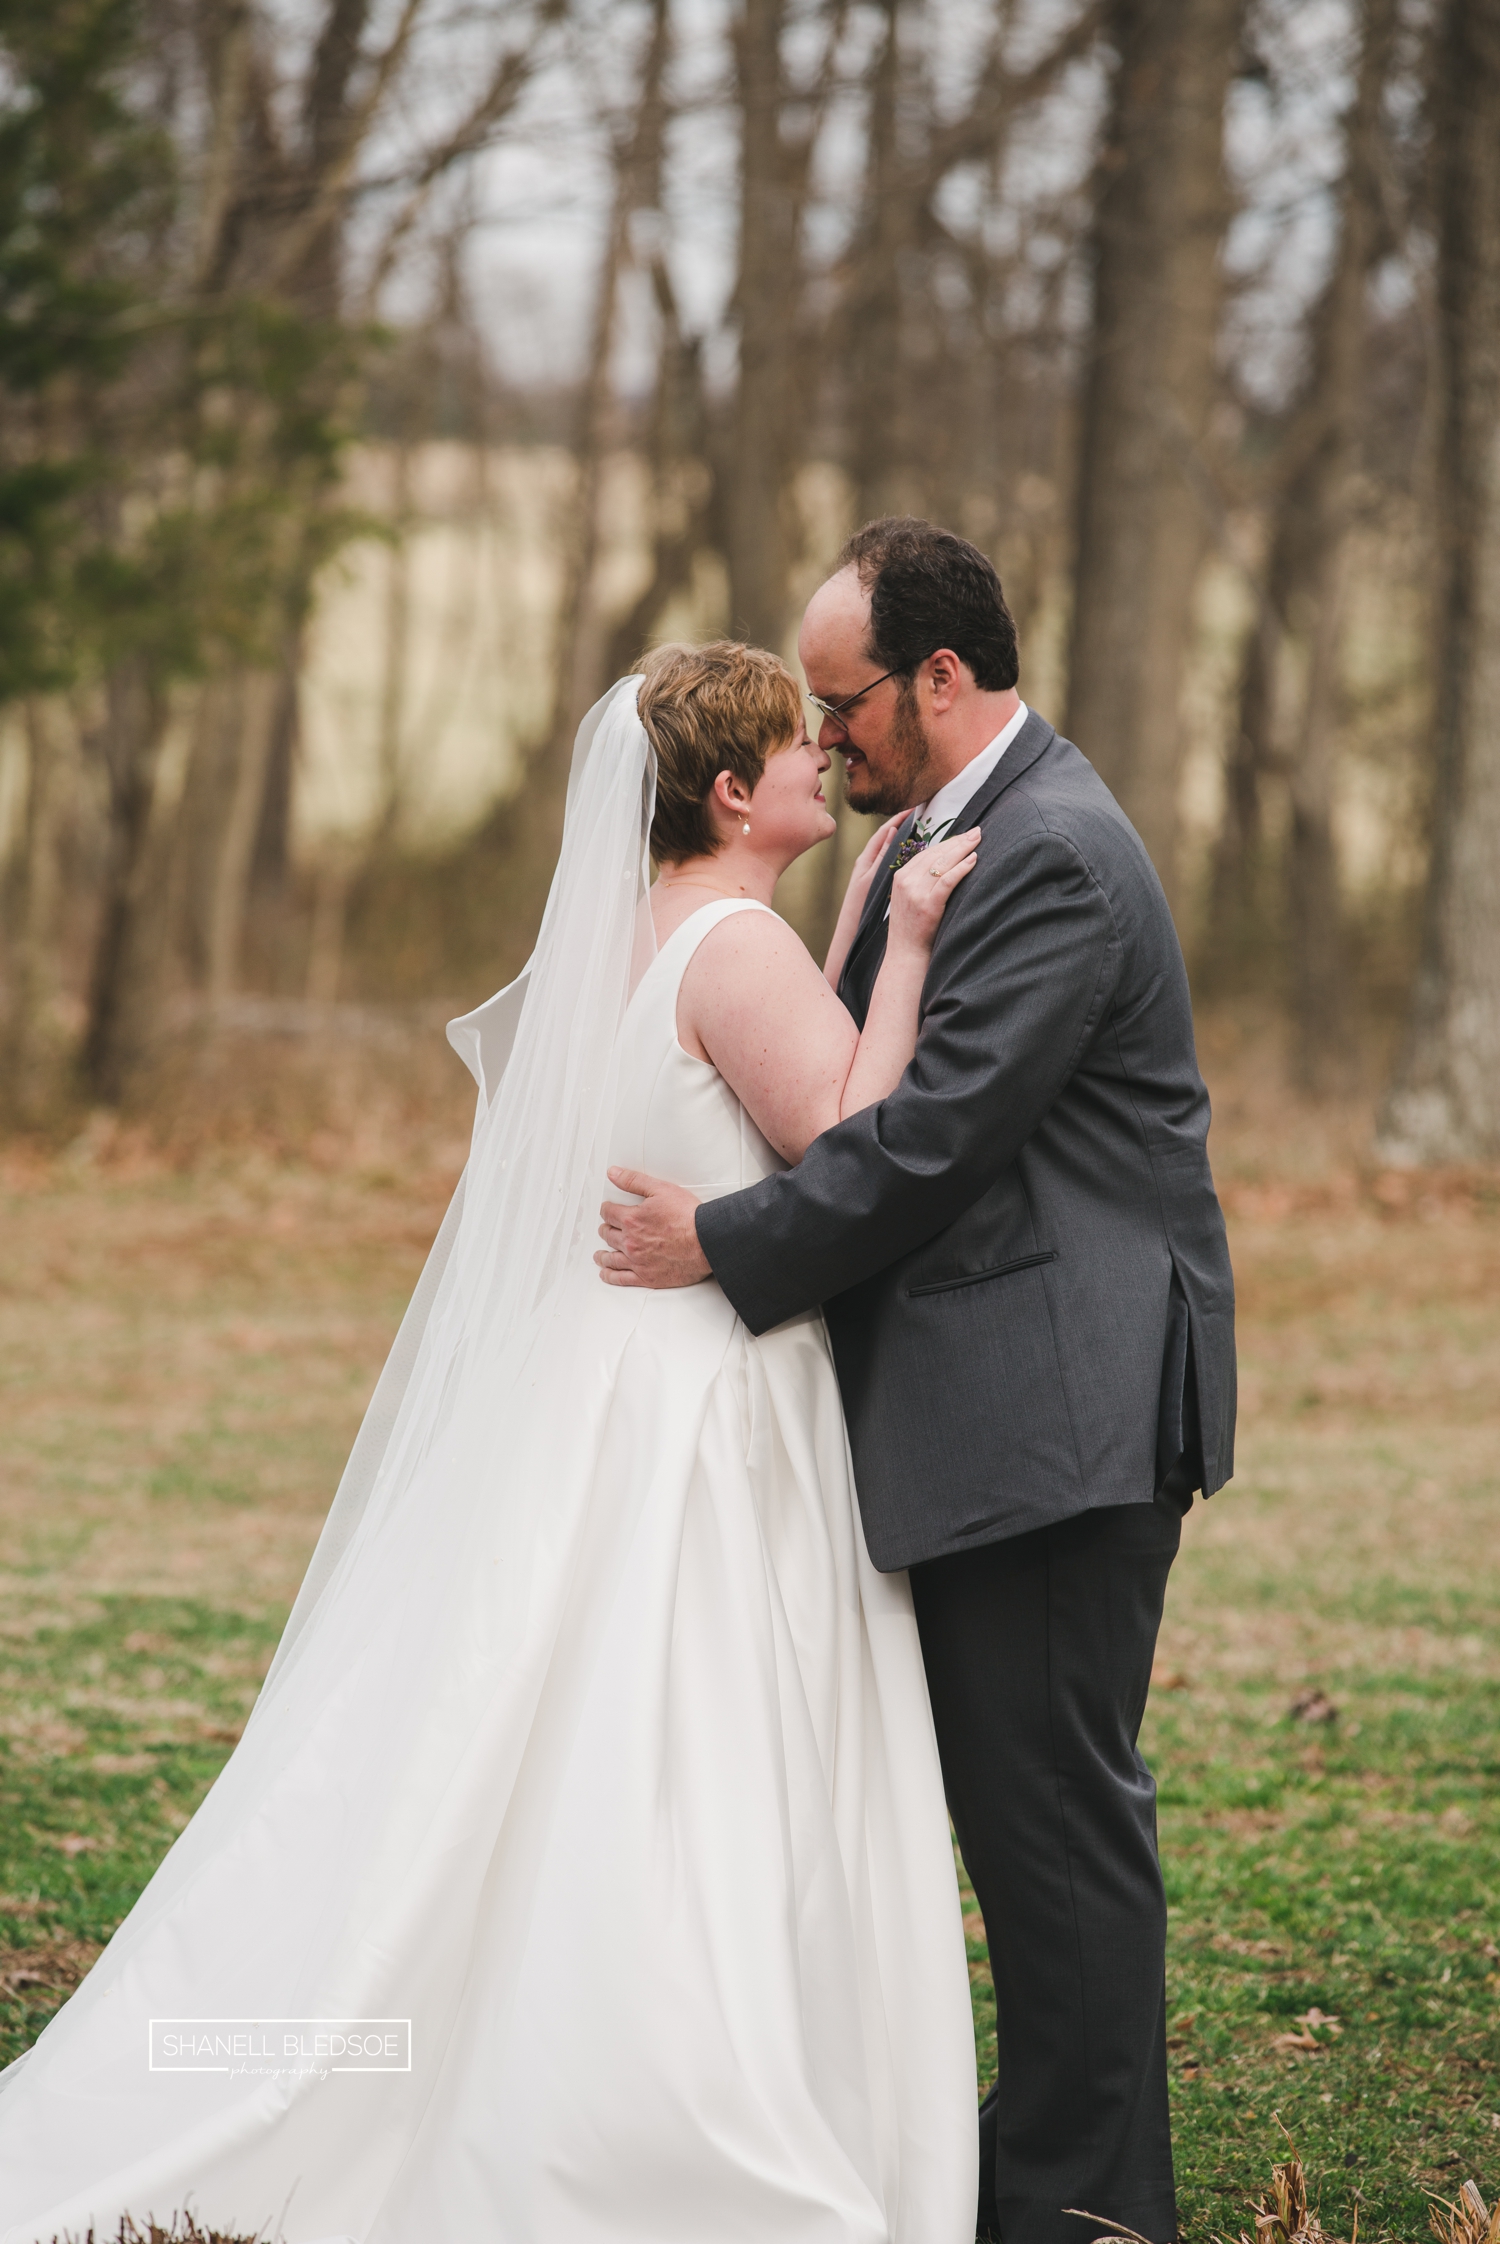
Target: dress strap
[
  {"x": 703, "y": 922},
  {"x": 671, "y": 962}
]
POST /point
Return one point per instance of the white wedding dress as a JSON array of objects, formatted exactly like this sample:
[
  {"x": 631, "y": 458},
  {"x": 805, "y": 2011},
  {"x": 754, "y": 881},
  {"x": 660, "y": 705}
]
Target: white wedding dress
[{"x": 619, "y": 1782}]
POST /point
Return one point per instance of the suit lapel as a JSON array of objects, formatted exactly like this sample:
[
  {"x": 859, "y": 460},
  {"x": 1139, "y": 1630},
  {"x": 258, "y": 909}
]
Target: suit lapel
[
  {"x": 1034, "y": 737},
  {"x": 873, "y": 915},
  {"x": 1032, "y": 741}
]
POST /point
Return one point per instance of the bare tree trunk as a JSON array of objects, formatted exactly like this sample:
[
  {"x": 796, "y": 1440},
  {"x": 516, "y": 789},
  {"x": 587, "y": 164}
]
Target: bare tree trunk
[
  {"x": 762, "y": 454},
  {"x": 682, "y": 483},
  {"x": 528, "y": 825},
  {"x": 1444, "y": 1102},
  {"x": 1160, "y": 210},
  {"x": 1289, "y": 682},
  {"x": 397, "y": 647},
  {"x": 259, "y": 698},
  {"x": 127, "y": 956},
  {"x": 275, "y": 208},
  {"x": 34, "y": 955},
  {"x": 1316, "y": 511},
  {"x": 1234, "y": 934},
  {"x": 1322, "y": 1036},
  {"x": 873, "y": 321},
  {"x": 201, "y": 813},
  {"x": 273, "y": 842},
  {"x": 578, "y": 630},
  {"x": 325, "y": 948},
  {"x": 582, "y": 640}
]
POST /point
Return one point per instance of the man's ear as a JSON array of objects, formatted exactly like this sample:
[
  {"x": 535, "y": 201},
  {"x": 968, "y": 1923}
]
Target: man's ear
[{"x": 945, "y": 678}]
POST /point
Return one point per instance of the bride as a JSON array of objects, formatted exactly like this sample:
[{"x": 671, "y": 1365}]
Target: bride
[{"x": 594, "y": 1775}]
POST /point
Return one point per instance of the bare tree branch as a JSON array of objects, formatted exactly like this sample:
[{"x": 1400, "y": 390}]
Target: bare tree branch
[
  {"x": 1001, "y": 91},
  {"x": 230, "y": 74},
  {"x": 327, "y": 92},
  {"x": 511, "y": 76},
  {"x": 341, "y": 150}
]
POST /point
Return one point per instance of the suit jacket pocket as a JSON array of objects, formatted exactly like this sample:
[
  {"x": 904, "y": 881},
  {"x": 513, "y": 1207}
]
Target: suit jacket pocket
[{"x": 978, "y": 1277}]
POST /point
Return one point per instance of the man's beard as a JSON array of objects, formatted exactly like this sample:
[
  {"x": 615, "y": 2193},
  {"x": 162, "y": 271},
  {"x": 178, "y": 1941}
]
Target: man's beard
[{"x": 903, "y": 758}]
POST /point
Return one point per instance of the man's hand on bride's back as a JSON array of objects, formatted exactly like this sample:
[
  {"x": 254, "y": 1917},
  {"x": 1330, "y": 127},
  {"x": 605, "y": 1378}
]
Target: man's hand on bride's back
[
  {"x": 920, "y": 891},
  {"x": 652, "y": 1241}
]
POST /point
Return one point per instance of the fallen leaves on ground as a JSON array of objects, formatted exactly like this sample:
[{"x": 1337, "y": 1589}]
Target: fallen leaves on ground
[{"x": 1317, "y": 2029}]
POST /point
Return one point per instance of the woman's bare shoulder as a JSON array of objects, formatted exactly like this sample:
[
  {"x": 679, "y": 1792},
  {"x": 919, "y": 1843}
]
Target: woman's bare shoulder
[
  {"x": 749, "y": 969},
  {"x": 744, "y": 947}
]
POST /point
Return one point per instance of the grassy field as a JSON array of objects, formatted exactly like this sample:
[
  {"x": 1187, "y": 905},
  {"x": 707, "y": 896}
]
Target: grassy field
[{"x": 184, "y": 1353}]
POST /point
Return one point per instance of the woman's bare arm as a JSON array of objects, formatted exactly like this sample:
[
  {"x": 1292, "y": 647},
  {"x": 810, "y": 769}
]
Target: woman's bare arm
[{"x": 753, "y": 1003}]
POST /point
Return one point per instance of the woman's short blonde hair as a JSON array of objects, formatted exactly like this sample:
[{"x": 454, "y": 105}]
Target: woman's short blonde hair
[{"x": 709, "y": 709}]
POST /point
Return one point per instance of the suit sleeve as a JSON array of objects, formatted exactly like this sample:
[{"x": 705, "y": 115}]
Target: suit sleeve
[{"x": 1022, "y": 973}]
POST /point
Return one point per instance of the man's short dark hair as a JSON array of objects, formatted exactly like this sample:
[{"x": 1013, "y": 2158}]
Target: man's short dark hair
[{"x": 930, "y": 589}]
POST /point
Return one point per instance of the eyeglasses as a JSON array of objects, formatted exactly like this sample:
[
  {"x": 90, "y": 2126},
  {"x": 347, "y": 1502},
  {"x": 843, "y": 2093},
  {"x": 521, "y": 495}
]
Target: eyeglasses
[{"x": 835, "y": 709}]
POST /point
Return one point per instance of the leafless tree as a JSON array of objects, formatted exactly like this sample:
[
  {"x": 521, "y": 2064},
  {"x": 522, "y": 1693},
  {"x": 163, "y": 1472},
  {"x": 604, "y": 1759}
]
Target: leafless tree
[
  {"x": 917, "y": 346},
  {"x": 1288, "y": 713},
  {"x": 1444, "y": 1101},
  {"x": 36, "y": 917},
  {"x": 276, "y": 185},
  {"x": 1160, "y": 210},
  {"x": 582, "y": 626}
]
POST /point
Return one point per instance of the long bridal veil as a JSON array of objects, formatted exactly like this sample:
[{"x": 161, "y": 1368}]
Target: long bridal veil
[
  {"x": 353, "y": 1761},
  {"x": 543, "y": 1053}
]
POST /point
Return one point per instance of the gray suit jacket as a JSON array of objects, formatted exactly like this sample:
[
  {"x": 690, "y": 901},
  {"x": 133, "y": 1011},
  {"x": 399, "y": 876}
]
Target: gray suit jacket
[{"x": 1020, "y": 1252}]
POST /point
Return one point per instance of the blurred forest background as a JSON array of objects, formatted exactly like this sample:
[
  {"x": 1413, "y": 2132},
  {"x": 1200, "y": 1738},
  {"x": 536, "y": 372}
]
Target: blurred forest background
[{"x": 379, "y": 377}]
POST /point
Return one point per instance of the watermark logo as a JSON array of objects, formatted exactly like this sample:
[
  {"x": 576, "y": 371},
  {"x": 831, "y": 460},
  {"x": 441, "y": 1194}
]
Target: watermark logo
[{"x": 279, "y": 2047}]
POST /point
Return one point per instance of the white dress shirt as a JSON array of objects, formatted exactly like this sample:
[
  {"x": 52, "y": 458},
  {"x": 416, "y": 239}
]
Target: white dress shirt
[{"x": 941, "y": 814}]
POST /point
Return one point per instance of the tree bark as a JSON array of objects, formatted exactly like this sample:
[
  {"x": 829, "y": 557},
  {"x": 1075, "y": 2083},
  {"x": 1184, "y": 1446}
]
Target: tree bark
[
  {"x": 202, "y": 810},
  {"x": 1235, "y": 931},
  {"x": 393, "y": 684},
  {"x": 528, "y": 824},
  {"x": 762, "y": 453},
  {"x": 273, "y": 843},
  {"x": 127, "y": 953},
  {"x": 872, "y": 322},
  {"x": 1289, "y": 688},
  {"x": 259, "y": 697},
  {"x": 34, "y": 954},
  {"x": 1160, "y": 210},
  {"x": 1322, "y": 1032},
  {"x": 1444, "y": 1101},
  {"x": 682, "y": 485},
  {"x": 582, "y": 638},
  {"x": 1319, "y": 502}
]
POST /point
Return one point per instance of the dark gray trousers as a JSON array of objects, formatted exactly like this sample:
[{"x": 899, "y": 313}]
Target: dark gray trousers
[{"x": 1038, "y": 1654}]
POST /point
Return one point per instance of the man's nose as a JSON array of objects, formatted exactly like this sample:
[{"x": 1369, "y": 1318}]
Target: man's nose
[{"x": 831, "y": 734}]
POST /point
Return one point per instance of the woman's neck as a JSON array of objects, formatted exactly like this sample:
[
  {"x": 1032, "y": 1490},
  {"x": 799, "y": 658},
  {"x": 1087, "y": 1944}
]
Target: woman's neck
[{"x": 730, "y": 871}]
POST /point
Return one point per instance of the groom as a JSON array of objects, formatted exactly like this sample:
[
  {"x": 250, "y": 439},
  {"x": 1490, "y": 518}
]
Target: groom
[{"x": 1025, "y": 1275}]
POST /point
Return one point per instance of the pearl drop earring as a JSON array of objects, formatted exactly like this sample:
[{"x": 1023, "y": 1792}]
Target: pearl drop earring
[{"x": 746, "y": 828}]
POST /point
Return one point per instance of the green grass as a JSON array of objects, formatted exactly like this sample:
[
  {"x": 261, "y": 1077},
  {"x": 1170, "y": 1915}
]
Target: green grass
[
  {"x": 119, "y": 1721},
  {"x": 1350, "y": 1867},
  {"x": 182, "y": 1363},
  {"x": 1354, "y": 1869}
]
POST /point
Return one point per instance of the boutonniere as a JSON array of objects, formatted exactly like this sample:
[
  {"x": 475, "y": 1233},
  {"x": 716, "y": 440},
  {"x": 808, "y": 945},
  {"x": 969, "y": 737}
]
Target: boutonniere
[
  {"x": 915, "y": 842},
  {"x": 913, "y": 846}
]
